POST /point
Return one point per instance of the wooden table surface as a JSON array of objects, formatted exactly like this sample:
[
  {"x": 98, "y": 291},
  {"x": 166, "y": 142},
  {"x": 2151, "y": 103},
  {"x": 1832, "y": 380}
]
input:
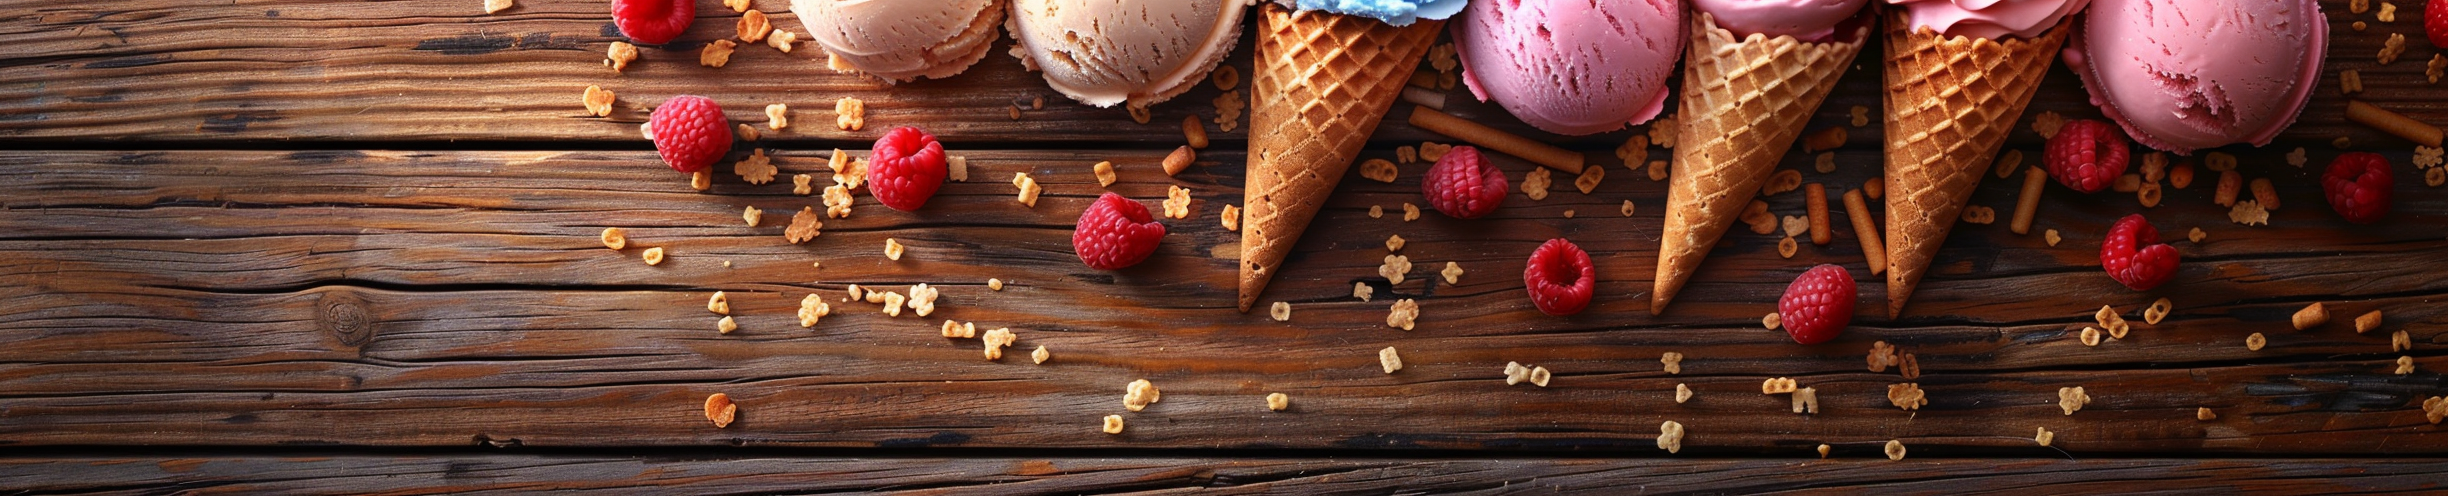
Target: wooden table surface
[{"x": 313, "y": 246}]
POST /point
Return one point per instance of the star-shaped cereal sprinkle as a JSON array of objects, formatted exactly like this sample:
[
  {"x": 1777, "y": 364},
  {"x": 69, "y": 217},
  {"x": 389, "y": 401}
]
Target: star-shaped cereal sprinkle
[
  {"x": 2072, "y": 399},
  {"x": 598, "y": 100},
  {"x": 2248, "y": 212},
  {"x": 1404, "y": 315},
  {"x": 716, "y": 54},
  {"x": 1452, "y": 272},
  {"x": 805, "y": 225},
  {"x": 1394, "y": 268},
  {"x": 1536, "y": 183},
  {"x": 756, "y": 169}
]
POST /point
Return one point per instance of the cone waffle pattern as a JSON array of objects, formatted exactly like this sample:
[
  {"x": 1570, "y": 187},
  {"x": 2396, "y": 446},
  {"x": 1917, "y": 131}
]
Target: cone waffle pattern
[
  {"x": 1950, "y": 103},
  {"x": 1744, "y": 103},
  {"x": 1321, "y": 83}
]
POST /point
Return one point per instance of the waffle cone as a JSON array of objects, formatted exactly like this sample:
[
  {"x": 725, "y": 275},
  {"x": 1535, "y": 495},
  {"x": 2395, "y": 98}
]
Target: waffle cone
[
  {"x": 1744, "y": 102},
  {"x": 1321, "y": 83},
  {"x": 1950, "y": 102}
]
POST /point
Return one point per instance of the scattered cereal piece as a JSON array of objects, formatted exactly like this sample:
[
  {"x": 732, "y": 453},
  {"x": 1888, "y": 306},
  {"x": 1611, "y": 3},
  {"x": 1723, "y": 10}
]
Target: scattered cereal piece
[
  {"x": 1378, "y": 169},
  {"x": 1232, "y": 217},
  {"x": 1278, "y": 402},
  {"x": 2182, "y": 176},
  {"x": 756, "y": 169},
  {"x": 1658, "y": 170},
  {"x": 598, "y": 101},
  {"x": 1104, "y": 173},
  {"x": 716, "y": 54},
  {"x": 653, "y": 256},
  {"x": 1882, "y": 355},
  {"x": 2204, "y": 413},
  {"x": 2044, "y": 437},
  {"x": 752, "y": 27},
  {"x": 800, "y": 183},
  {"x": 2127, "y": 183},
  {"x": 702, "y": 180},
  {"x": 922, "y": 298},
  {"x": 1774, "y": 320},
  {"x": 2090, "y": 336},
  {"x": 492, "y": 6},
  {"x": 737, "y": 5},
  {"x": 1376, "y": 211},
  {"x": 1825, "y": 163},
  {"x": 1028, "y": 188},
  {"x": 1663, "y": 132},
  {"x": 859, "y": 294},
  {"x": 2350, "y": 81},
  {"x": 959, "y": 330},
  {"x": 719, "y": 303},
  {"x": 1539, "y": 376},
  {"x": 1627, "y": 208},
  {"x": 2367, "y": 322},
  {"x": 745, "y": 132},
  {"x": 1778, "y": 385},
  {"x": 2248, "y": 213},
  {"x": 1362, "y": 291},
  {"x": 2158, "y": 310},
  {"x": 1590, "y": 177},
  {"x": 2011, "y": 161},
  {"x": 2072, "y": 399},
  {"x": 1389, "y": 360},
  {"x": 615, "y": 238},
  {"x": 2266, "y": 193},
  {"x": 874, "y": 296},
  {"x": 2311, "y": 316},
  {"x": 2390, "y": 50},
  {"x": 837, "y": 201},
  {"x": 1394, "y": 243},
  {"x": 1683, "y": 393},
  {"x": 2435, "y": 408},
  {"x": 1412, "y": 212},
  {"x": 1895, "y": 450},
  {"x": 2405, "y": 365},
  {"x": 2435, "y": 176},
  {"x": 1515, "y": 373},
  {"x": 1139, "y": 394},
  {"x": 1113, "y": 424},
  {"x": 720, "y": 410},
  {"x": 811, "y": 309},
  {"x": 726, "y": 325},
  {"x": 781, "y": 39},
  {"x": 2400, "y": 341},
  {"x": 2388, "y": 12},
  {"x": 1756, "y": 214},
  {"x": 1177, "y": 202},
  {"x": 2255, "y": 342},
  {"x": 1041, "y": 355},
  {"x": 1909, "y": 367},
  {"x": 1673, "y": 361},
  {"x": 1179, "y": 160},
  {"x": 1907, "y": 396},
  {"x": 1783, "y": 181},
  {"x": 1282, "y": 311},
  {"x": 2196, "y": 235},
  {"x": 850, "y": 113},
  {"x": 2111, "y": 321},
  {"x": 805, "y": 225},
  {"x": 1796, "y": 225},
  {"x": 2052, "y": 237},
  {"x": 1787, "y": 247},
  {"x": 1394, "y": 268},
  {"x": 620, "y": 55},
  {"x": 1138, "y": 113},
  {"x": 2342, "y": 142},
  {"x": 1404, "y": 314},
  {"x": 1452, "y": 272},
  {"x": 2358, "y": 6},
  {"x": 1823, "y": 448},
  {"x": 2149, "y": 194},
  {"x": 2427, "y": 157},
  {"x": 996, "y": 340},
  {"x": 1670, "y": 437},
  {"x": 1433, "y": 151},
  {"x": 2047, "y": 124},
  {"x": 893, "y": 303},
  {"x": 1535, "y": 184},
  {"x": 1806, "y": 400},
  {"x": 2437, "y": 68},
  {"x": 1861, "y": 116}
]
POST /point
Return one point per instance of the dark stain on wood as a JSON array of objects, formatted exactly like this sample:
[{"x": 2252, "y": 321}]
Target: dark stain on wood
[
  {"x": 237, "y": 122},
  {"x": 125, "y": 62},
  {"x": 940, "y": 439},
  {"x": 480, "y": 44}
]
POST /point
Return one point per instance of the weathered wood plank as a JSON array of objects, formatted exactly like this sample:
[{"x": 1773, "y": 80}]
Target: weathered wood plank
[
  {"x": 459, "y": 474},
  {"x": 395, "y": 71},
  {"x": 435, "y": 299}
]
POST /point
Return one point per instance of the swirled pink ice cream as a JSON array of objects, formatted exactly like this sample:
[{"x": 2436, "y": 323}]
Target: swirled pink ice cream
[
  {"x": 1807, "y": 20},
  {"x": 1571, "y": 67},
  {"x": 2183, "y": 75},
  {"x": 1992, "y": 19}
]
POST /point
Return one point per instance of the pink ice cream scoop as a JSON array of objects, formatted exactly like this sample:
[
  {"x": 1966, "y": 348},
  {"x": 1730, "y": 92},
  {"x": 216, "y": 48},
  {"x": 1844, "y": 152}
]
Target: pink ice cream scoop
[
  {"x": 1807, "y": 20},
  {"x": 1992, "y": 19},
  {"x": 2183, "y": 75},
  {"x": 1571, "y": 67}
]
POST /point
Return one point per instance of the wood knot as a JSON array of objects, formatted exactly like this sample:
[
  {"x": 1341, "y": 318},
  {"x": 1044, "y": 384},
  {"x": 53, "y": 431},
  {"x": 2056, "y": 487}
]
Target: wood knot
[{"x": 343, "y": 316}]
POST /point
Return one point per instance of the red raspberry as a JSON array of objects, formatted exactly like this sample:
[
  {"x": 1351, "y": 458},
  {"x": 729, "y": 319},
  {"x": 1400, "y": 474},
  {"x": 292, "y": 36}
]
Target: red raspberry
[
  {"x": 2134, "y": 256},
  {"x": 1818, "y": 304},
  {"x": 2435, "y": 22},
  {"x": 1561, "y": 277},
  {"x": 2087, "y": 155},
  {"x": 905, "y": 168},
  {"x": 690, "y": 132},
  {"x": 653, "y": 22},
  {"x": 1116, "y": 232},
  {"x": 1462, "y": 184},
  {"x": 2358, "y": 186}
]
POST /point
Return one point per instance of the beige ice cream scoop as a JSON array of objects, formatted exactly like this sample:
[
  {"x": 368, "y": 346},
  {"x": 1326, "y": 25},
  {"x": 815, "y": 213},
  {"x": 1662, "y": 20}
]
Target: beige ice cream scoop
[
  {"x": 1103, "y": 52},
  {"x": 901, "y": 40}
]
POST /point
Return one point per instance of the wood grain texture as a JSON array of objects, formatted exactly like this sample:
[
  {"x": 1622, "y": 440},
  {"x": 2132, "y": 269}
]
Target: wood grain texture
[
  {"x": 262, "y": 298},
  {"x": 292, "y": 70},
  {"x": 458, "y": 474}
]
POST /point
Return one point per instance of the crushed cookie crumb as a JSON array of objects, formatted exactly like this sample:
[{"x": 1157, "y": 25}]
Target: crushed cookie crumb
[
  {"x": 1281, "y": 311},
  {"x": 2196, "y": 235},
  {"x": 716, "y": 54},
  {"x": 1404, "y": 314},
  {"x": 1683, "y": 393},
  {"x": 893, "y": 249},
  {"x": 2248, "y": 212},
  {"x": 653, "y": 256},
  {"x": 720, "y": 410},
  {"x": 1389, "y": 360},
  {"x": 1823, "y": 448},
  {"x": 2052, "y": 237},
  {"x": 782, "y": 39},
  {"x": 2204, "y": 413},
  {"x": 1362, "y": 291},
  {"x": 1882, "y": 355},
  {"x": 997, "y": 339},
  {"x": 1394, "y": 243},
  {"x": 2072, "y": 399},
  {"x": 1376, "y": 212},
  {"x": 1515, "y": 373},
  {"x": 850, "y": 113},
  {"x": 1670, "y": 437},
  {"x": 1139, "y": 394},
  {"x": 615, "y": 238}
]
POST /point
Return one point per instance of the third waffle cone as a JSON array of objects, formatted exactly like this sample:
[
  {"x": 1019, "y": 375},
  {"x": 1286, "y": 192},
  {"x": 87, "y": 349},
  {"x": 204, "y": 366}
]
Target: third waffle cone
[
  {"x": 1744, "y": 102},
  {"x": 1950, "y": 102},
  {"x": 1321, "y": 83}
]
